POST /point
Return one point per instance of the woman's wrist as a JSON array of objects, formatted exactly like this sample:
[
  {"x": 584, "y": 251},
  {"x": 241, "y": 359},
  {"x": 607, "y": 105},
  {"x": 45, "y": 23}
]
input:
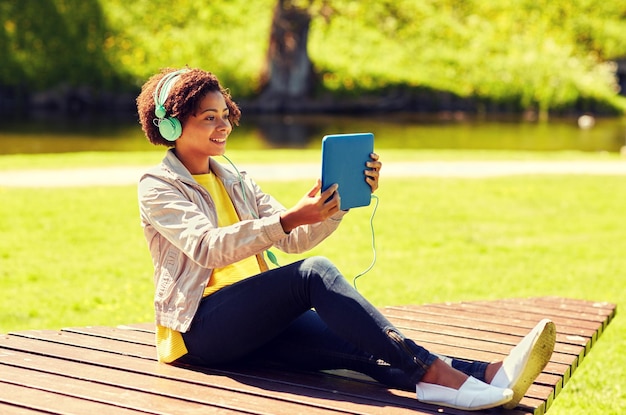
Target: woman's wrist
[{"x": 287, "y": 221}]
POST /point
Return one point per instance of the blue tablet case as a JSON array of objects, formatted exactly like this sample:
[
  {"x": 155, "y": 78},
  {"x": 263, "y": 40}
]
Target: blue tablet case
[{"x": 343, "y": 162}]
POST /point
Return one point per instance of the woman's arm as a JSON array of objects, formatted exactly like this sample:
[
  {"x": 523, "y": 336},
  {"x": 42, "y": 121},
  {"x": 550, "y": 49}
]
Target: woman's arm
[{"x": 188, "y": 222}]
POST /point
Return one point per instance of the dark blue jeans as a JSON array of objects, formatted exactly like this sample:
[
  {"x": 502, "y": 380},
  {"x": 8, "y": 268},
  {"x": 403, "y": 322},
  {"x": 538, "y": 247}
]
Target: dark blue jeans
[{"x": 306, "y": 316}]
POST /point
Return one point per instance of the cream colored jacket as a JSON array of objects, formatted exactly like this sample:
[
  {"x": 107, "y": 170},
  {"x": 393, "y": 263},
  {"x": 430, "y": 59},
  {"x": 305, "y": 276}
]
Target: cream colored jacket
[{"x": 179, "y": 221}]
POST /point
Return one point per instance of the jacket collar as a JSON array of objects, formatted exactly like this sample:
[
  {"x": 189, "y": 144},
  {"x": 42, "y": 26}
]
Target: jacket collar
[{"x": 177, "y": 168}]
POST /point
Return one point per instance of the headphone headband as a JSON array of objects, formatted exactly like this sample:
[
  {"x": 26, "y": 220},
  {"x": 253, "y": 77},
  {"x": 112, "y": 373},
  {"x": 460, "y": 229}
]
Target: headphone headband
[{"x": 169, "y": 127}]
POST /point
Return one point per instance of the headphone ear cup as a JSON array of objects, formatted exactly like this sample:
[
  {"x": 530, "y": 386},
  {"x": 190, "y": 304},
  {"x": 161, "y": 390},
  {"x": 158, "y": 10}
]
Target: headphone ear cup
[{"x": 170, "y": 128}]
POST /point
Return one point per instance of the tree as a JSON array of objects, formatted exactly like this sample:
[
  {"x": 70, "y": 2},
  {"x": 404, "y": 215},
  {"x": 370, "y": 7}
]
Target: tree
[{"x": 289, "y": 77}]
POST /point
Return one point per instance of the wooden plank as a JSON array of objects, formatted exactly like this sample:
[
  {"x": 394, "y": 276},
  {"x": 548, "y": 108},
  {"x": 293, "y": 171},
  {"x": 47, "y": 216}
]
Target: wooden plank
[
  {"x": 147, "y": 327},
  {"x": 551, "y": 306},
  {"x": 89, "y": 342},
  {"x": 117, "y": 333},
  {"x": 585, "y": 327},
  {"x": 138, "y": 387},
  {"x": 15, "y": 409},
  {"x": 477, "y": 343},
  {"x": 498, "y": 343},
  {"x": 524, "y": 318},
  {"x": 579, "y": 324},
  {"x": 543, "y": 390},
  {"x": 22, "y": 399},
  {"x": 570, "y": 315},
  {"x": 490, "y": 345},
  {"x": 115, "y": 368},
  {"x": 516, "y": 312},
  {"x": 454, "y": 324},
  {"x": 70, "y": 338},
  {"x": 560, "y": 304},
  {"x": 576, "y": 311},
  {"x": 114, "y": 396},
  {"x": 106, "y": 338},
  {"x": 308, "y": 390},
  {"x": 509, "y": 322}
]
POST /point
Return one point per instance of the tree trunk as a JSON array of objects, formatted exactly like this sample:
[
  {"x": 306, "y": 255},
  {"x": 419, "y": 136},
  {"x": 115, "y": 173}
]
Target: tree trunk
[{"x": 289, "y": 78}]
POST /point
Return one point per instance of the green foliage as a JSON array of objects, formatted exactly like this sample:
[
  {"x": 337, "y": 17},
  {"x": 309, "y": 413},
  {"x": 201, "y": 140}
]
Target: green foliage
[
  {"x": 543, "y": 55},
  {"x": 528, "y": 54},
  {"x": 47, "y": 43},
  {"x": 228, "y": 38}
]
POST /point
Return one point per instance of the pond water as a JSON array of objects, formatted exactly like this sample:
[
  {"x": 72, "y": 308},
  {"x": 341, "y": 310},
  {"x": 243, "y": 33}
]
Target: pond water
[{"x": 453, "y": 131}]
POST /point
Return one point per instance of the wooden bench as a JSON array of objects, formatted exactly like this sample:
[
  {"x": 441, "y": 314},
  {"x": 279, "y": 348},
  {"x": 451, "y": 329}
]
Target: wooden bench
[{"x": 105, "y": 370}]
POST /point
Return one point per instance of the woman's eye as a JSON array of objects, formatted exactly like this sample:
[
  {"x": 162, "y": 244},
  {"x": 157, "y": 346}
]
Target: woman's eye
[{"x": 211, "y": 118}]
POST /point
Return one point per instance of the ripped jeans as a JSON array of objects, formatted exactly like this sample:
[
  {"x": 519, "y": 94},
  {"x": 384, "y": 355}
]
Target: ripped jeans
[{"x": 306, "y": 316}]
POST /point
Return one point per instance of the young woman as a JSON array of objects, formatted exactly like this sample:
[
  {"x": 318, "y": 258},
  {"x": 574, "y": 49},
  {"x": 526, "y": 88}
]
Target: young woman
[{"x": 216, "y": 300}]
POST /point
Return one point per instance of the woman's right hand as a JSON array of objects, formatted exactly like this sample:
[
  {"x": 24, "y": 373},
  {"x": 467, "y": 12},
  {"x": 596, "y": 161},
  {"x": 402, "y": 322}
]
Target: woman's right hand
[{"x": 314, "y": 207}]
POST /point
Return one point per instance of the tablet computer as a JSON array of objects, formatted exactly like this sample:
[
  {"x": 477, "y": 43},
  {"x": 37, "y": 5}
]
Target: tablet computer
[{"x": 343, "y": 162}]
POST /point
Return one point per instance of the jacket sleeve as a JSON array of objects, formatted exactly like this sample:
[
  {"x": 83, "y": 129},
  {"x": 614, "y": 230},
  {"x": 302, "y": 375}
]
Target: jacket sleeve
[
  {"x": 188, "y": 221},
  {"x": 302, "y": 238}
]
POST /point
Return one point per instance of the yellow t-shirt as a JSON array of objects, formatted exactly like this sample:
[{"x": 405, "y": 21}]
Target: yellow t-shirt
[{"x": 170, "y": 344}]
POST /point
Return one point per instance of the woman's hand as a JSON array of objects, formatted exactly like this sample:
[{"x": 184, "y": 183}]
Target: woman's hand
[
  {"x": 373, "y": 172},
  {"x": 314, "y": 207}
]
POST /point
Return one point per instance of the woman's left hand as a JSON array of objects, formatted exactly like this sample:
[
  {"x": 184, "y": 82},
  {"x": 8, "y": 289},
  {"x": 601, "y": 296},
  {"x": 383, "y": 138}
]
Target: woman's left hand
[{"x": 373, "y": 172}]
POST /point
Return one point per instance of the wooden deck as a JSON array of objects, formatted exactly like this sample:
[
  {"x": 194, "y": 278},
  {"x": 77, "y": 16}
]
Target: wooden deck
[{"x": 106, "y": 370}]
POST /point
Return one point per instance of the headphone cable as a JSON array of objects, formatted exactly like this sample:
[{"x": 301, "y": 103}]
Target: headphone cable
[
  {"x": 373, "y": 244},
  {"x": 272, "y": 257}
]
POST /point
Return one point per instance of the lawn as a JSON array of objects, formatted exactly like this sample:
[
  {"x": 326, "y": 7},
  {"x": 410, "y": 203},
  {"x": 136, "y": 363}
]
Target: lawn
[{"x": 76, "y": 256}]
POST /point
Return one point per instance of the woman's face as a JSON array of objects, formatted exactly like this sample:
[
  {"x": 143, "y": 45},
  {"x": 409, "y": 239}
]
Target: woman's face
[{"x": 204, "y": 133}]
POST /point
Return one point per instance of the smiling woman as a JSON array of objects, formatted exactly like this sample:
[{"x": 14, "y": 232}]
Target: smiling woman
[{"x": 208, "y": 228}]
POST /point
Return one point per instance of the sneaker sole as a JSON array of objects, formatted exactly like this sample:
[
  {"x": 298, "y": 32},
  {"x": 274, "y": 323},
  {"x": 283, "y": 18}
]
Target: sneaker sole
[
  {"x": 465, "y": 408},
  {"x": 539, "y": 357}
]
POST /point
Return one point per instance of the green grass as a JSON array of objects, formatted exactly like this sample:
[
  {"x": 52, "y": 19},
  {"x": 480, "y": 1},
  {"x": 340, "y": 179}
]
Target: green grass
[
  {"x": 76, "y": 256},
  {"x": 148, "y": 158}
]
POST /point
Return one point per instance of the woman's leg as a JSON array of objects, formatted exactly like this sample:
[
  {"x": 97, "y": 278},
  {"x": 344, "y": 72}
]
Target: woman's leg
[
  {"x": 472, "y": 368},
  {"x": 240, "y": 319},
  {"x": 309, "y": 344},
  {"x": 234, "y": 322}
]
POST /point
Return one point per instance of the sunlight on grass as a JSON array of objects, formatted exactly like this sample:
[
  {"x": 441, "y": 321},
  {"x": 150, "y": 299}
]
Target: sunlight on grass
[
  {"x": 76, "y": 256},
  {"x": 148, "y": 158}
]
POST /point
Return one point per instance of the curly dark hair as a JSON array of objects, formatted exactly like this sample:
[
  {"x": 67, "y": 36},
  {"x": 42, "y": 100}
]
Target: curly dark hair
[{"x": 182, "y": 101}]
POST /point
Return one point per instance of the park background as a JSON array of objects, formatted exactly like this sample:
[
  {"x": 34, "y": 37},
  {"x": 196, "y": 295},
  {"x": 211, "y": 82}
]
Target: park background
[{"x": 76, "y": 256}]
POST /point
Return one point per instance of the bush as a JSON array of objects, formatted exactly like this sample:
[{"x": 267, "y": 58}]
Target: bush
[{"x": 528, "y": 54}]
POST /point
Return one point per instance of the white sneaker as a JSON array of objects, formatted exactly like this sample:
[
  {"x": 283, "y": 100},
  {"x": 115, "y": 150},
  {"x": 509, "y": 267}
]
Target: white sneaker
[
  {"x": 471, "y": 396},
  {"x": 526, "y": 361}
]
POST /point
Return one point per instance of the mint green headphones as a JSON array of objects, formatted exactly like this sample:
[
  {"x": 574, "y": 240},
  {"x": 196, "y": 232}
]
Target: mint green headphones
[{"x": 169, "y": 127}]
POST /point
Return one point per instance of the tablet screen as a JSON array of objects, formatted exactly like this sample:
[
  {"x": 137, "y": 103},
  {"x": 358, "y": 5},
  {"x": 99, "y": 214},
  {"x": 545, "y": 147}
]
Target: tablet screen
[{"x": 343, "y": 162}]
